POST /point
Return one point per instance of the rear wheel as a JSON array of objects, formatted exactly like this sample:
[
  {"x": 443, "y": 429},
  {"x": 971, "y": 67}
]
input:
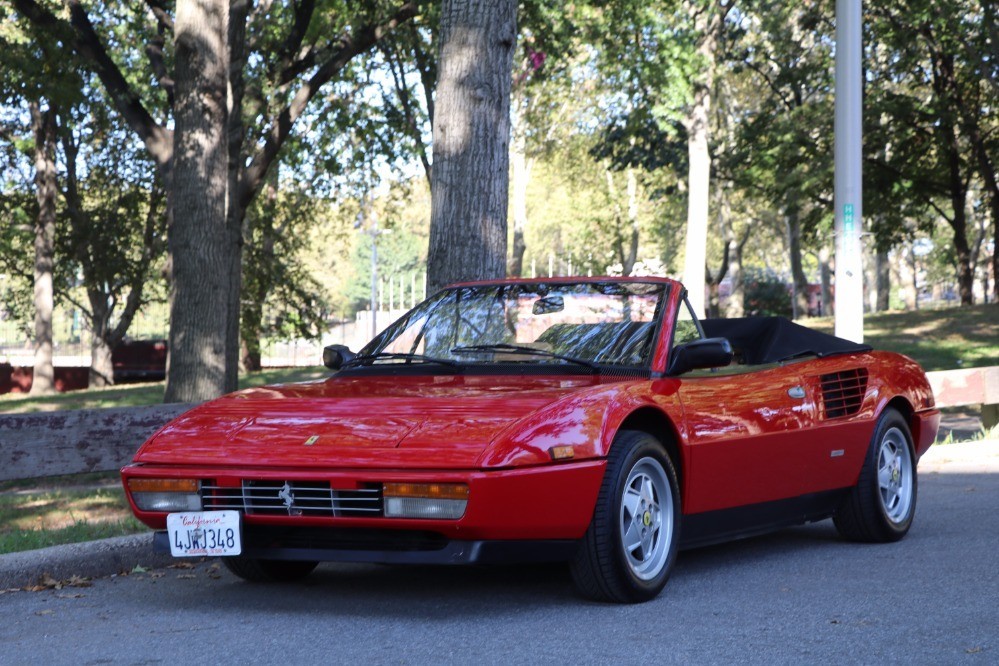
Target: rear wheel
[
  {"x": 881, "y": 506},
  {"x": 268, "y": 571},
  {"x": 630, "y": 546}
]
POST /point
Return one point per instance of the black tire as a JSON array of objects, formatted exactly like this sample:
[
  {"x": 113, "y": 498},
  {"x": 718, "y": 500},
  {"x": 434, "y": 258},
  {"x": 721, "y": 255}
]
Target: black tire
[
  {"x": 604, "y": 568},
  {"x": 880, "y": 508},
  {"x": 268, "y": 571}
]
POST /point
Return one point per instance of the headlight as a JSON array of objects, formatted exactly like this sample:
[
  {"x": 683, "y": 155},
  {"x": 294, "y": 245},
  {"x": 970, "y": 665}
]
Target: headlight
[
  {"x": 166, "y": 495},
  {"x": 441, "y": 501}
]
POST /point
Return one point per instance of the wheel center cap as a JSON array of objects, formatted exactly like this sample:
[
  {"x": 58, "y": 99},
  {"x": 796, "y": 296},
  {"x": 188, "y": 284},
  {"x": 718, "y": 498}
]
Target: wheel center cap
[{"x": 647, "y": 518}]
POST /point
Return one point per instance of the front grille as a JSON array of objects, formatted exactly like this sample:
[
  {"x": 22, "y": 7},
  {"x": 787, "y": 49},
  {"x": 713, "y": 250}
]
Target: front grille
[
  {"x": 843, "y": 392},
  {"x": 294, "y": 498}
]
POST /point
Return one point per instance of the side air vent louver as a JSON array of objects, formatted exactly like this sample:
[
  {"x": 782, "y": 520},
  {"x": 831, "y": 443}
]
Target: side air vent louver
[{"x": 843, "y": 392}]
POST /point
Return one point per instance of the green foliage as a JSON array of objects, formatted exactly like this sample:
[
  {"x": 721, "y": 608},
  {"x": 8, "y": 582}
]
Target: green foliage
[
  {"x": 403, "y": 228},
  {"x": 766, "y": 295},
  {"x": 283, "y": 298}
]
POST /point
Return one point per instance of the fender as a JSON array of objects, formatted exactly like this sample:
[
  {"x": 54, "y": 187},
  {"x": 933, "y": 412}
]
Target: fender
[{"x": 587, "y": 421}]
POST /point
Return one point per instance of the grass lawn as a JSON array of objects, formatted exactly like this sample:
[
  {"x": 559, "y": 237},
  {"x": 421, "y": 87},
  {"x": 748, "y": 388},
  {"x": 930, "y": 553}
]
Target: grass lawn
[
  {"x": 132, "y": 395},
  {"x": 938, "y": 339},
  {"x": 59, "y": 510}
]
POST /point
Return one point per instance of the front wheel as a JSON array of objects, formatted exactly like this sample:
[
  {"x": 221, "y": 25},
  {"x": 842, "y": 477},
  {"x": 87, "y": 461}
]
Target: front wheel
[
  {"x": 628, "y": 551},
  {"x": 881, "y": 506}
]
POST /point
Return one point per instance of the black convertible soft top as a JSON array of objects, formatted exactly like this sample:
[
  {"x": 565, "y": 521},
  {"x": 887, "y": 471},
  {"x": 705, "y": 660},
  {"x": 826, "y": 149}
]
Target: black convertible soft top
[{"x": 761, "y": 340}]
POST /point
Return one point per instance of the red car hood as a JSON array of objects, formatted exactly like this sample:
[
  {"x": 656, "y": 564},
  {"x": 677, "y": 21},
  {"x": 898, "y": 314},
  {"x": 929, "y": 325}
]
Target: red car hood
[{"x": 443, "y": 422}]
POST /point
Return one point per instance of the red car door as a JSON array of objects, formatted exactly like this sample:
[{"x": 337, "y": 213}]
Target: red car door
[{"x": 745, "y": 433}]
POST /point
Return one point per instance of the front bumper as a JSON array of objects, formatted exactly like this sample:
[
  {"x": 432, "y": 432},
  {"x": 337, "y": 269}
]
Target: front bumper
[
  {"x": 924, "y": 428},
  {"x": 304, "y": 544},
  {"x": 546, "y": 503}
]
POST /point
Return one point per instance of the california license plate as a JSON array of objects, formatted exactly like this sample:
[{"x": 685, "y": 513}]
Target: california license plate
[{"x": 204, "y": 533}]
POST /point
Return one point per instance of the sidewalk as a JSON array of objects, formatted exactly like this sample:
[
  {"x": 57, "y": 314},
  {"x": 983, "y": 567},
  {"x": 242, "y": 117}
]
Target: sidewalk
[{"x": 981, "y": 457}]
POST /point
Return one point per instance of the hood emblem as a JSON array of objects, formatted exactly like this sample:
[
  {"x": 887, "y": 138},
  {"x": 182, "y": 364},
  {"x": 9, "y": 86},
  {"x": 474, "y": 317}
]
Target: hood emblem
[
  {"x": 286, "y": 496},
  {"x": 311, "y": 440}
]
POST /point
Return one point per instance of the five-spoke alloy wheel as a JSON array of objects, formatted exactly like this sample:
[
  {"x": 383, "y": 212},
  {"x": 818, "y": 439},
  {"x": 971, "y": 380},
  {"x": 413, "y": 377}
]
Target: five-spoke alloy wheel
[
  {"x": 630, "y": 547},
  {"x": 881, "y": 506}
]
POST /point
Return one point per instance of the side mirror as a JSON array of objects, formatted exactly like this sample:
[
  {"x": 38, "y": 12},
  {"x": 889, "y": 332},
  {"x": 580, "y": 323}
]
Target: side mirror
[
  {"x": 335, "y": 356},
  {"x": 701, "y": 354}
]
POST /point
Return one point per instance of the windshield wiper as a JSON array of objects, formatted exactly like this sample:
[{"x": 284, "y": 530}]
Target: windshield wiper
[
  {"x": 504, "y": 348},
  {"x": 369, "y": 358}
]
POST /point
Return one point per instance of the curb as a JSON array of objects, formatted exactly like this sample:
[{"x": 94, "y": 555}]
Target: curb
[{"x": 90, "y": 559}]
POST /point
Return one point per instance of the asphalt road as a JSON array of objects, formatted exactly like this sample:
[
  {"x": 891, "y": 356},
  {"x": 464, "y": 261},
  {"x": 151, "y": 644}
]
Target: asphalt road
[{"x": 800, "y": 596}]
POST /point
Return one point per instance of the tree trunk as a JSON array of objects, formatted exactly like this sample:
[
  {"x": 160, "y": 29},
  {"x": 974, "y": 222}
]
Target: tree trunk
[
  {"x": 235, "y": 208},
  {"x": 825, "y": 275},
  {"x": 521, "y": 177},
  {"x": 987, "y": 169},
  {"x": 698, "y": 185},
  {"x": 631, "y": 257},
  {"x": 883, "y": 281},
  {"x": 202, "y": 245},
  {"x": 737, "y": 299},
  {"x": 470, "y": 181},
  {"x": 724, "y": 217},
  {"x": 44, "y": 126},
  {"x": 101, "y": 367},
  {"x": 708, "y": 23},
  {"x": 259, "y": 281},
  {"x": 912, "y": 272},
  {"x": 249, "y": 347},
  {"x": 944, "y": 85},
  {"x": 800, "y": 301}
]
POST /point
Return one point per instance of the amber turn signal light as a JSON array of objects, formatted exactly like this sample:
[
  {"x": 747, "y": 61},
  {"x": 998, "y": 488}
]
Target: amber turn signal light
[
  {"x": 140, "y": 485},
  {"x": 454, "y": 491},
  {"x": 561, "y": 452}
]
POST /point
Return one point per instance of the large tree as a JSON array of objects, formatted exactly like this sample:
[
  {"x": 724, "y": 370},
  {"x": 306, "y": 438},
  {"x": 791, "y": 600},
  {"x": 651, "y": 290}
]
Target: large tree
[
  {"x": 471, "y": 130},
  {"x": 282, "y": 54},
  {"x": 204, "y": 241},
  {"x": 933, "y": 94},
  {"x": 43, "y": 125}
]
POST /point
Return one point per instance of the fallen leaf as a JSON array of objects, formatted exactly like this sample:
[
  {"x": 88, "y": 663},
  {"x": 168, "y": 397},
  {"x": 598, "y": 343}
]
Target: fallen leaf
[
  {"x": 78, "y": 581},
  {"x": 181, "y": 565},
  {"x": 45, "y": 612},
  {"x": 974, "y": 650},
  {"x": 48, "y": 581},
  {"x": 186, "y": 576},
  {"x": 157, "y": 574},
  {"x": 138, "y": 568},
  {"x": 76, "y": 595}
]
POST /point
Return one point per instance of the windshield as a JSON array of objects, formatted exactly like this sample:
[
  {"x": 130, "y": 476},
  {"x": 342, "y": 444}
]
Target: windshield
[{"x": 581, "y": 324}]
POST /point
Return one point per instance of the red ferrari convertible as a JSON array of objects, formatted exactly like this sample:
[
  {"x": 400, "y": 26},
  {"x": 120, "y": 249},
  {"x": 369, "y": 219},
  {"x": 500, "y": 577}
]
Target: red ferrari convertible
[{"x": 594, "y": 421}]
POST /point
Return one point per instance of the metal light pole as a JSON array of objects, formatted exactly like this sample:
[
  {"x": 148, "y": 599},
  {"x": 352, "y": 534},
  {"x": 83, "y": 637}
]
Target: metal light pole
[
  {"x": 848, "y": 191},
  {"x": 374, "y": 277}
]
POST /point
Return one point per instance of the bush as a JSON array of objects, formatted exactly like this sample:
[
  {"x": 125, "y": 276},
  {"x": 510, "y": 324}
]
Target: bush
[{"x": 766, "y": 295}]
